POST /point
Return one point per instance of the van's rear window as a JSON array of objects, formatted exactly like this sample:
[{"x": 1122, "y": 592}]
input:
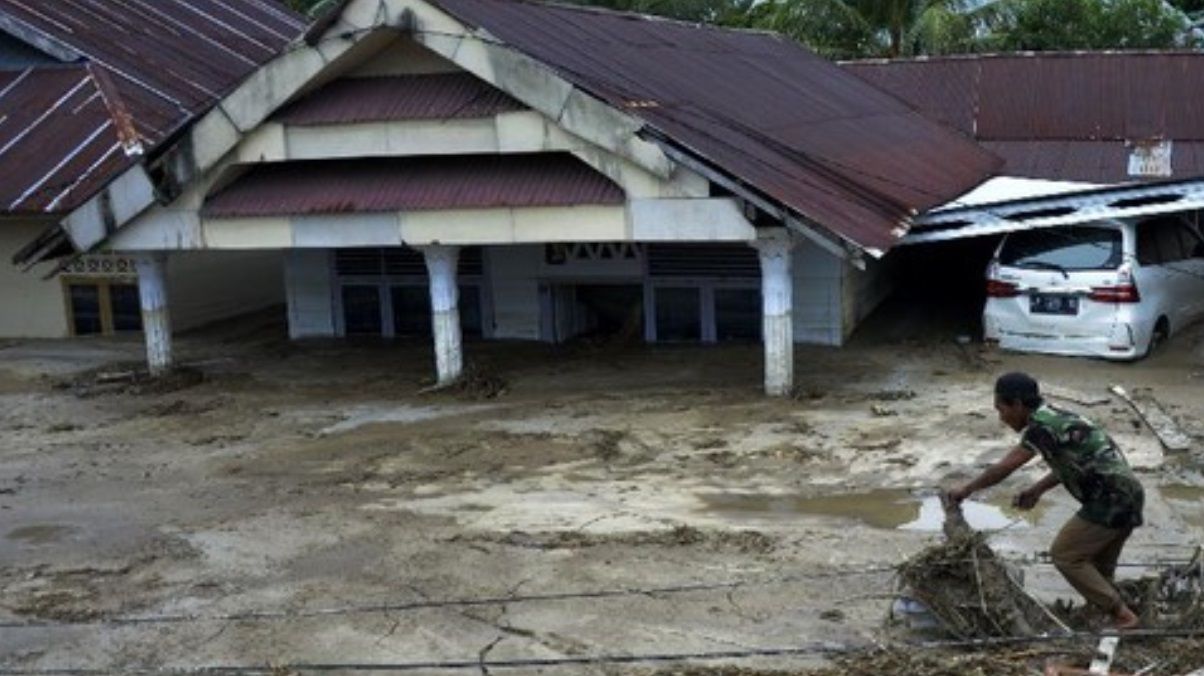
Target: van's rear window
[{"x": 1068, "y": 248}]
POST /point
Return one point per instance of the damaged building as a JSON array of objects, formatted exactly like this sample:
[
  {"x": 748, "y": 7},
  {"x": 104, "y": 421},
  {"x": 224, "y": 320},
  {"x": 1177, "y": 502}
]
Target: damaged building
[
  {"x": 527, "y": 171},
  {"x": 456, "y": 169}
]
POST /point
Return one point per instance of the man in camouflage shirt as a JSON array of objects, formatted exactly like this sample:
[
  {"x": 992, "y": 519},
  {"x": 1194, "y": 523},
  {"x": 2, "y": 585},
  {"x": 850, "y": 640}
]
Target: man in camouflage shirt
[{"x": 1084, "y": 459}]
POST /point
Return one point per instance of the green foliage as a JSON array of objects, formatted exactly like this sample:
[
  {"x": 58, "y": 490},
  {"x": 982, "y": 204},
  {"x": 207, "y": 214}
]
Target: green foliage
[
  {"x": 723, "y": 12},
  {"x": 1043, "y": 25},
  {"x": 860, "y": 28},
  {"x": 849, "y": 29}
]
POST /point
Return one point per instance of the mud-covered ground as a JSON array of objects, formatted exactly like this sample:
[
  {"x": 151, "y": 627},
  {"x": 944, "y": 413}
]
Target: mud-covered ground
[{"x": 309, "y": 504}]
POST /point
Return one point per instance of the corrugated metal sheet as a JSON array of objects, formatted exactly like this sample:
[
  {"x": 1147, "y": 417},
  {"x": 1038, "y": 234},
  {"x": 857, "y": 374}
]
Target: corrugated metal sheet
[
  {"x": 758, "y": 107},
  {"x": 57, "y": 138},
  {"x": 412, "y": 184},
  {"x": 185, "y": 52},
  {"x": 409, "y": 97},
  {"x": 151, "y": 66},
  {"x": 1059, "y": 116}
]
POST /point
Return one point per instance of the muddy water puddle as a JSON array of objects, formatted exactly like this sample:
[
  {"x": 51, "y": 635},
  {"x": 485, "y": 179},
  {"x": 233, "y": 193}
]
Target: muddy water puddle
[
  {"x": 1189, "y": 501},
  {"x": 884, "y": 509},
  {"x": 41, "y": 534}
]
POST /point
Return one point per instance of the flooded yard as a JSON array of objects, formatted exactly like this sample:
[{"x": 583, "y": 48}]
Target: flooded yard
[{"x": 307, "y": 504}]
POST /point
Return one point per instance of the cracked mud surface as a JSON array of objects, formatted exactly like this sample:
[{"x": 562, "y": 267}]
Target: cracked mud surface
[{"x": 306, "y": 504}]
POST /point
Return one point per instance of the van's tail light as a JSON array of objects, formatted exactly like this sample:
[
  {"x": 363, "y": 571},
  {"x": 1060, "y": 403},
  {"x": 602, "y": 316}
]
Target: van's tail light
[
  {"x": 1000, "y": 289},
  {"x": 1124, "y": 291},
  {"x": 1121, "y": 293}
]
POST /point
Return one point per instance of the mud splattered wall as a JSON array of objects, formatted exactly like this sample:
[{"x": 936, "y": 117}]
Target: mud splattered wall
[
  {"x": 864, "y": 290},
  {"x": 33, "y": 307},
  {"x": 205, "y": 286},
  {"x": 818, "y": 280}
]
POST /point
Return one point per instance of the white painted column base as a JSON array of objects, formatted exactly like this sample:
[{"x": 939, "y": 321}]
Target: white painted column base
[
  {"x": 777, "y": 306},
  {"x": 156, "y": 323},
  {"x": 441, "y": 263}
]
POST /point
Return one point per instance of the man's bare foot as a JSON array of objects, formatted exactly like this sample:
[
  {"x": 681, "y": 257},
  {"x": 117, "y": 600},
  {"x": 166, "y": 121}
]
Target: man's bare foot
[{"x": 1124, "y": 619}]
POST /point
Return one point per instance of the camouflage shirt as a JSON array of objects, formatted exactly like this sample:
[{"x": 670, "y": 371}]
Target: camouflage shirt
[{"x": 1088, "y": 464}]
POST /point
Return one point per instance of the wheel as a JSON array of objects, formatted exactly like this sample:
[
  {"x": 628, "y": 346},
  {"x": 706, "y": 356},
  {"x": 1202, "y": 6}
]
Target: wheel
[{"x": 1162, "y": 331}]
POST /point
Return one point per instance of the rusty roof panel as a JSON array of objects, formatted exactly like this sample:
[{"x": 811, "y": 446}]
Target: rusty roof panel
[
  {"x": 57, "y": 136},
  {"x": 788, "y": 123},
  {"x": 147, "y": 68},
  {"x": 1060, "y": 116},
  {"x": 944, "y": 90},
  {"x": 407, "y": 97},
  {"x": 1088, "y": 161},
  {"x": 187, "y": 52},
  {"x": 412, "y": 184}
]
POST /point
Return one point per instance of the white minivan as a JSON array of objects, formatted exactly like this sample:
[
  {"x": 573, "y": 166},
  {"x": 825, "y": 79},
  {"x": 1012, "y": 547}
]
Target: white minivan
[{"x": 1110, "y": 289}]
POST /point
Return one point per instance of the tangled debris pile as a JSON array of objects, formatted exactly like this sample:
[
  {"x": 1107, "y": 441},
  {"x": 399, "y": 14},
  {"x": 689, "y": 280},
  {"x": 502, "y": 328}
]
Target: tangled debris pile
[
  {"x": 476, "y": 383},
  {"x": 130, "y": 378},
  {"x": 969, "y": 590},
  {"x": 1173, "y": 598}
]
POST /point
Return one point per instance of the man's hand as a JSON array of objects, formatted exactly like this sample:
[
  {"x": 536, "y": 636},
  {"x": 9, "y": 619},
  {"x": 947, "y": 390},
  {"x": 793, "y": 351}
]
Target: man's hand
[
  {"x": 1026, "y": 499},
  {"x": 958, "y": 494}
]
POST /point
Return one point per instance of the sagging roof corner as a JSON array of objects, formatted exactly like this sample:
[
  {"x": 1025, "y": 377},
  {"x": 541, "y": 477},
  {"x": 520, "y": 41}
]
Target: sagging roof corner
[
  {"x": 822, "y": 143},
  {"x": 1058, "y": 208}
]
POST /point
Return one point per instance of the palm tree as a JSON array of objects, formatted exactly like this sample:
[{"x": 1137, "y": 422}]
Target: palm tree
[{"x": 859, "y": 28}]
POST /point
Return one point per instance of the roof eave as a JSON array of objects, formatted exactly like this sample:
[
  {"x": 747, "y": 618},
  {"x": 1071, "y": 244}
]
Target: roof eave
[{"x": 47, "y": 44}]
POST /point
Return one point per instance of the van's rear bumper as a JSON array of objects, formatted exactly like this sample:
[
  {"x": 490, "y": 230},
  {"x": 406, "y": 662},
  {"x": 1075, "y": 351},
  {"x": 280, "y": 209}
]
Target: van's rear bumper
[{"x": 1118, "y": 340}]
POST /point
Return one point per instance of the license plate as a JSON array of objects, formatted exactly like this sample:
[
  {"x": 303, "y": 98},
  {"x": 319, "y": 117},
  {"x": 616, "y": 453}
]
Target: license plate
[{"x": 1049, "y": 304}]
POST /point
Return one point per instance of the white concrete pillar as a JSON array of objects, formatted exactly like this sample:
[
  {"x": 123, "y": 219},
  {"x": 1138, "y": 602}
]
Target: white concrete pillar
[
  {"x": 156, "y": 324},
  {"x": 441, "y": 262},
  {"x": 777, "y": 304}
]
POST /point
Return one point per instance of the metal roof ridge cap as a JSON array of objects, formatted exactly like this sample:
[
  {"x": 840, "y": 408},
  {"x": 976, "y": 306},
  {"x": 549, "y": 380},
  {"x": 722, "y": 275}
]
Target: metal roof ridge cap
[{"x": 114, "y": 103}]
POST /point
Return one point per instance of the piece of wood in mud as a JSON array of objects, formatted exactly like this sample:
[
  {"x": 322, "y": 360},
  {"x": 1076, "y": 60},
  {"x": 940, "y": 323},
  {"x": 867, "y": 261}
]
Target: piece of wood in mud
[
  {"x": 1075, "y": 396},
  {"x": 1172, "y": 438},
  {"x": 115, "y": 377},
  {"x": 1104, "y": 654}
]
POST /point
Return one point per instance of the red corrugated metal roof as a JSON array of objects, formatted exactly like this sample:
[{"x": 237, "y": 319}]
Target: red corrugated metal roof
[
  {"x": 412, "y": 184},
  {"x": 405, "y": 97},
  {"x": 1059, "y": 116},
  {"x": 185, "y": 52},
  {"x": 754, "y": 105},
  {"x": 57, "y": 138},
  {"x": 152, "y": 66}
]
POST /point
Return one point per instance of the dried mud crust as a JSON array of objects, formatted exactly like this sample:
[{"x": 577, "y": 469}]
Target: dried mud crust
[
  {"x": 82, "y": 594},
  {"x": 749, "y": 542},
  {"x": 628, "y": 446},
  {"x": 130, "y": 378}
]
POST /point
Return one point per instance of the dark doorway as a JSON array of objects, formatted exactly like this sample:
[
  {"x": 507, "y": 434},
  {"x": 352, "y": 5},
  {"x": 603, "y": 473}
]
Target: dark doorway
[
  {"x": 937, "y": 292},
  {"x": 610, "y": 310}
]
